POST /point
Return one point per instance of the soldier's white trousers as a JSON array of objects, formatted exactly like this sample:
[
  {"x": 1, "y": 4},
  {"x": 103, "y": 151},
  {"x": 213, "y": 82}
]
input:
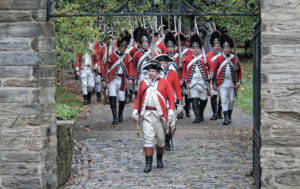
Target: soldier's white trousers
[
  {"x": 227, "y": 97},
  {"x": 87, "y": 80},
  {"x": 198, "y": 91},
  {"x": 153, "y": 130},
  {"x": 97, "y": 83},
  {"x": 114, "y": 89}
]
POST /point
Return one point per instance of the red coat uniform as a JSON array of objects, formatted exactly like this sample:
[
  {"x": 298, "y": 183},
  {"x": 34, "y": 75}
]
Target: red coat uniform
[
  {"x": 161, "y": 47},
  {"x": 132, "y": 51},
  {"x": 185, "y": 53},
  {"x": 164, "y": 95},
  {"x": 134, "y": 71},
  {"x": 113, "y": 66},
  {"x": 78, "y": 62},
  {"x": 212, "y": 56},
  {"x": 173, "y": 79},
  {"x": 98, "y": 57},
  {"x": 219, "y": 66},
  {"x": 204, "y": 68}
]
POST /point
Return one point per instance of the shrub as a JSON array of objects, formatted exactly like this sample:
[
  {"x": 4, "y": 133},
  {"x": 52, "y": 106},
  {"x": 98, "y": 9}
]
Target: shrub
[{"x": 66, "y": 112}]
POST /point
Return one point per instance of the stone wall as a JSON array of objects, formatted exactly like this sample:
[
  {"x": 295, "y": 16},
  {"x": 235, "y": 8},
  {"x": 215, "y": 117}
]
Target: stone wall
[
  {"x": 280, "y": 94},
  {"x": 27, "y": 88}
]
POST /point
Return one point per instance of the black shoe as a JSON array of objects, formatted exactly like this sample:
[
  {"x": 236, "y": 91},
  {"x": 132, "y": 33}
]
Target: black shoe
[
  {"x": 148, "y": 165},
  {"x": 220, "y": 109},
  {"x": 113, "y": 107},
  {"x": 89, "y": 96},
  {"x": 85, "y": 100},
  {"x": 180, "y": 116},
  {"x": 229, "y": 115},
  {"x": 160, "y": 163},
  {"x": 167, "y": 141},
  {"x": 202, "y": 108},
  {"x": 196, "y": 109},
  {"x": 99, "y": 99},
  {"x": 226, "y": 118},
  {"x": 213, "y": 102},
  {"x": 121, "y": 109}
]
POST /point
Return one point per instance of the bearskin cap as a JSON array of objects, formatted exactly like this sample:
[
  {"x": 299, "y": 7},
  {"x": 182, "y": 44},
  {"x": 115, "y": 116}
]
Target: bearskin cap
[
  {"x": 124, "y": 39},
  {"x": 215, "y": 38},
  {"x": 135, "y": 33},
  {"x": 181, "y": 36},
  {"x": 226, "y": 41},
  {"x": 169, "y": 39},
  {"x": 196, "y": 41},
  {"x": 143, "y": 35}
]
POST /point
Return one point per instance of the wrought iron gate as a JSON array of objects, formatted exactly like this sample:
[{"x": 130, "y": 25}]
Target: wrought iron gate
[{"x": 256, "y": 106}]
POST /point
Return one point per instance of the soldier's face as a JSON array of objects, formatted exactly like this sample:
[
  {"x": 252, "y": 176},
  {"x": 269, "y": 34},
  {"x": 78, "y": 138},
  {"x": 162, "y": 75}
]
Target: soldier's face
[
  {"x": 122, "y": 49},
  {"x": 196, "y": 50},
  {"x": 227, "y": 50},
  {"x": 216, "y": 48},
  {"x": 152, "y": 73},
  {"x": 145, "y": 45},
  {"x": 164, "y": 64},
  {"x": 171, "y": 49}
]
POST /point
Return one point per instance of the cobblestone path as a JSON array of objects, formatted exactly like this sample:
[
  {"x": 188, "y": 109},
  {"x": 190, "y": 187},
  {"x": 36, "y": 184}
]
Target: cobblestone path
[{"x": 206, "y": 155}]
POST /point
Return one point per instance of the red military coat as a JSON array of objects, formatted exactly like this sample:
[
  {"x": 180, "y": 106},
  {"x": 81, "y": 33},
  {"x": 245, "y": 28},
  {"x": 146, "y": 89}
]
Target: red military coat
[
  {"x": 164, "y": 95},
  {"x": 133, "y": 70},
  {"x": 114, "y": 66},
  {"x": 191, "y": 66},
  {"x": 161, "y": 47},
  {"x": 212, "y": 56},
  {"x": 173, "y": 79},
  {"x": 220, "y": 64},
  {"x": 185, "y": 53},
  {"x": 78, "y": 63}
]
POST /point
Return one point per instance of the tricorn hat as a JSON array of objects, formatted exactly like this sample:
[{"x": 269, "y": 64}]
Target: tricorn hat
[
  {"x": 124, "y": 39},
  {"x": 143, "y": 35},
  {"x": 226, "y": 41},
  {"x": 169, "y": 39},
  {"x": 215, "y": 38},
  {"x": 153, "y": 64},
  {"x": 196, "y": 41},
  {"x": 163, "y": 57}
]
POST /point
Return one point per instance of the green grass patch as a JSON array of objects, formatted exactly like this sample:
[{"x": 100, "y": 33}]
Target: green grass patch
[
  {"x": 245, "y": 92},
  {"x": 68, "y": 104}
]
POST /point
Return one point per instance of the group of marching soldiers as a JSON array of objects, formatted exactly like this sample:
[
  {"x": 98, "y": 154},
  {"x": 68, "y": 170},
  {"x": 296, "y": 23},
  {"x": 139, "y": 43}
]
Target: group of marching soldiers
[{"x": 166, "y": 76}]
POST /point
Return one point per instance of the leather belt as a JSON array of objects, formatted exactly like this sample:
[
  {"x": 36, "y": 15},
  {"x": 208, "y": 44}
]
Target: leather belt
[{"x": 150, "y": 108}]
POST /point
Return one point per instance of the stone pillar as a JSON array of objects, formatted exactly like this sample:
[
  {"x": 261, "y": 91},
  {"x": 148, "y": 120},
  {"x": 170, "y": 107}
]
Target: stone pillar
[
  {"x": 280, "y": 94},
  {"x": 27, "y": 89}
]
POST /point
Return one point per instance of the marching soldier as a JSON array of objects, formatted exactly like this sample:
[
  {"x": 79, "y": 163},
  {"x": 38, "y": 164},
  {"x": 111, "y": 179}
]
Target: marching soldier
[
  {"x": 118, "y": 65},
  {"x": 151, "y": 105},
  {"x": 216, "y": 46},
  {"x": 173, "y": 79},
  {"x": 141, "y": 58},
  {"x": 99, "y": 53},
  {"x": 228, "y": 77},
  {"x": 159, "y": 43},
  {"x": 198, "y": 73},
  {"x": 170, "y": 43},
  {"x": 185, "y": 52}
]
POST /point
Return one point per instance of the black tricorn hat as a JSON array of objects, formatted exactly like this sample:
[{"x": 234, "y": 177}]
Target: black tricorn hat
[
  {"x": 196, "y": 41},
  {"x": 163, "y": 57},
  {"x": 143, "y": 35},
  {"x": 215, "y": 38},
  {"x": 226, "y": 41},
  {"x": 169, "y": 39},
  {"x": 181, "y": 36},
  {"x": 124, "y": 39},
  {"x": 153, "y": 64}
]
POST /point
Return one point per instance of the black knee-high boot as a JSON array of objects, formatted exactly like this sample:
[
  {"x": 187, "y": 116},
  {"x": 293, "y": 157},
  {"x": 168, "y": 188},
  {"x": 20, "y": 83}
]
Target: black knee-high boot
[
  {"x": 113, "y": 107},
  {"x": 202, "y": 108},
  {"x": 226, "y": 118},
  {"x": 149, "y": 158},
  {"x": 220, "y": 109},
  {"x": 196, "y": 109},
  {"x": 85, "y": 100},
  {"x": 213, "y": 102},
  {"x": 229, "y": 116},
  {"x": 121, "y": 109},
  {"x": 187, "y": 106}
]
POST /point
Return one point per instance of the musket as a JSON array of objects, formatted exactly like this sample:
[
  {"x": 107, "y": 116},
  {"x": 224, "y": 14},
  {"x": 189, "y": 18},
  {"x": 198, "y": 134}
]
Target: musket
[
  {"x": 106, "y": 72},
  {"x": 179, "y": 47},
  {"x": 235, "y": 66},
  {"x": 153, "y": 43}
]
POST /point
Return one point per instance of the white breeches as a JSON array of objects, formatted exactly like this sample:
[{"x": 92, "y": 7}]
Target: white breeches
[
  {"x": 87, "y": 80},
  {"x": 198, "y": 91},
  {"x": 227, "y": 97},
  {"x": 97, "y": 83},
  {"x": 114, "y": 89},
  {"x": 153, "y": 130}
]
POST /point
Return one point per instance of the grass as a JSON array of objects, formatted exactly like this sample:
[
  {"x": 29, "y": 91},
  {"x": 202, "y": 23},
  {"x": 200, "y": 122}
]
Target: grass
[
  {"x": 68, "y": 104},
  {"x": 245, "y": 92}
]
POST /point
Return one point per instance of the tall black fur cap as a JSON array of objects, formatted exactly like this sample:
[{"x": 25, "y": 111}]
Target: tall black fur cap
[{"x": 215, "y": 38}]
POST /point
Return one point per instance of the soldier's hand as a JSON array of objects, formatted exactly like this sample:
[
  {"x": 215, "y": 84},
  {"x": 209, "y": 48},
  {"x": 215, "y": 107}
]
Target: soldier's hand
[
  {"x": 130, "y": 82},
  {"x": 179, "y": 108},
  {"x": 209, "y": 78},
  {"x": 181, "y": 82},
  {"x": 170, "y": 119},
  {"x": 135, "y": 81},
  {"x": 237, "y": 85},
  {"x": 215, "y": 87},
  {"x": 77, "y": 73},
  {"x": 104, "y": 83},
  {"x": 135, "y": 117}
]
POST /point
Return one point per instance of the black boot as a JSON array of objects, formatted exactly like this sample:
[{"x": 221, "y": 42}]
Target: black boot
[
  {"x": 85, "y": 100},
  {"x": 187, "y": 106},
  {"x": 213, "y": 102},
  {"x": 159, "y": 156},
  {"x": 229, "y": 115},
  {"x": 196, "y": 109},
  {"x": 99, "y": 97},
  {"x": 220, "y": 109},
  {"x": 130, "y": 96},
  {"x": 126, "y": 97},
  {"x": 121, "y": 109},
  {"x": 89, "y": 96},
  {"x": 202, "y": 108},
  {"x": 226, "y": 118},
  {"x": 148, "y": 166},
  {"x": 113, "y": 107},
  {"x": 167, "y": 141}
]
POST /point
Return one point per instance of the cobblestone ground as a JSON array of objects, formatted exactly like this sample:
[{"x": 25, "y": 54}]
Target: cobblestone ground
[{"x": 206, "y": 155}]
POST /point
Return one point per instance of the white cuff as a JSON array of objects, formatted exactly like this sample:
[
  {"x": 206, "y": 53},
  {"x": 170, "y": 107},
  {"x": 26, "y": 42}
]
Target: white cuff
[
  {"x": 171, "y": 112},
  {"x": 77, "y": 68}
]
